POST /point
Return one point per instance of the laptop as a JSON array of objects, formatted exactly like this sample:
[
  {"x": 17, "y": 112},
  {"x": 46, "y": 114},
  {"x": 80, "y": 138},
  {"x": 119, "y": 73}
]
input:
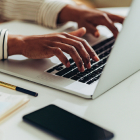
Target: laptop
[{"x": 119, "y": 59}]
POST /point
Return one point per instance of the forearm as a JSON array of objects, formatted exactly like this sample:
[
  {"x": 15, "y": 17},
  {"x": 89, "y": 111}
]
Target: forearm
[{"x": 44, "y": 12}]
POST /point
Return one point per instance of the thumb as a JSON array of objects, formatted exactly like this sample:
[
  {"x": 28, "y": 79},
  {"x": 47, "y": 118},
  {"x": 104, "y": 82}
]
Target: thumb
[{"x": 79, "y": 33}]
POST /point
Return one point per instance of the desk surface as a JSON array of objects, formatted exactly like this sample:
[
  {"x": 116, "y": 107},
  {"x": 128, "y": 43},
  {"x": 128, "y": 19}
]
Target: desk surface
[{"x": 117, "y": 110}]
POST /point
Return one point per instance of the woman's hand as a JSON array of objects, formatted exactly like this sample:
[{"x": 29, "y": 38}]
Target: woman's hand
[
  {"x": 46, "y": 46},
  {"x": 90, "y": 18}
]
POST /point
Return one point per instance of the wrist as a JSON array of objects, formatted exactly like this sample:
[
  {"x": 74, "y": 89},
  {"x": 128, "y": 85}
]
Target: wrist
[
  {"x": 69, "y": 13},
  {"x": 14, "y": 44}
]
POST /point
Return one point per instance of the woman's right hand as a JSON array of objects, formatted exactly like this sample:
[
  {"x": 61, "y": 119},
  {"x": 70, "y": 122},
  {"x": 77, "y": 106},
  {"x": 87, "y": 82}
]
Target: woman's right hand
[{"x": 46, "y": 46}]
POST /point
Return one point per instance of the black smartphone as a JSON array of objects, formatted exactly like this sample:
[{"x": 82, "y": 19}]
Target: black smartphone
[{"x": 66, "y": 125}]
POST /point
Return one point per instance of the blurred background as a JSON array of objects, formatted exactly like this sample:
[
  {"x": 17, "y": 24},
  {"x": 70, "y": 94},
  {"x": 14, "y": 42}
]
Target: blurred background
[
  {"x": 105, "y": 3},
  {"x": 100, "y": 4}
]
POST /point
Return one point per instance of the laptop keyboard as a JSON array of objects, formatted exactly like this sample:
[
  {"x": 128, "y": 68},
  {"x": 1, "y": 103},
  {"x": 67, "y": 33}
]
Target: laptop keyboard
[{"x": 91, "y": 75}]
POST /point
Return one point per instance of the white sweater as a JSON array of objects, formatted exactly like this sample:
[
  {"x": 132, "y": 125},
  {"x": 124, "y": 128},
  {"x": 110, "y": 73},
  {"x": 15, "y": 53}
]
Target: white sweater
[{"x": 44, "y": 12}]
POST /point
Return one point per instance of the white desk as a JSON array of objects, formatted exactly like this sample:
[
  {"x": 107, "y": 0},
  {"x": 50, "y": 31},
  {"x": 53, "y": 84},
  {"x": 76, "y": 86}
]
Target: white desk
[{"x": 118, "y": 110}]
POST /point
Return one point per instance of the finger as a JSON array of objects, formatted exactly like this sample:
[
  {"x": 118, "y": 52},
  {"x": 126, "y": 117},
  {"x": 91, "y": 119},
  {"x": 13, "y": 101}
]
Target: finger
[
  {"x": 80, "y": 49},
  {"x": 93, "y": 30},
  {"x": 79, "y": 33},
  {"x": 86, "y": 45},
  {"x": 110, "y": 25},
  {"x": 71, "y": 51},
  {"x": 116, "y": 18},
  {"x": 59, "y": 54}
]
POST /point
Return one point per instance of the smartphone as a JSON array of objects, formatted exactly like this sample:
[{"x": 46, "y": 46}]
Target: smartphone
[{"x": 66, "y": 125}]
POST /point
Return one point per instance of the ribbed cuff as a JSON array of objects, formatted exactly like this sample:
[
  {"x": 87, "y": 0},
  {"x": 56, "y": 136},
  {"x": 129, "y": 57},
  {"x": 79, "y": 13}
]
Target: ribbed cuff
[
  {"x": 49, "y": 11},
  {"x": 3, "y": 44}
]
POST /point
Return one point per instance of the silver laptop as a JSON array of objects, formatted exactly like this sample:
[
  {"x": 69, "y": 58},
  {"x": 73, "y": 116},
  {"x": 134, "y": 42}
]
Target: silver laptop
[{"x": 118, "y": 59}]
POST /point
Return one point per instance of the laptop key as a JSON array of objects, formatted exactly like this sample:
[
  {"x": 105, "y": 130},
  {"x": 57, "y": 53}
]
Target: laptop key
[
  {"x": 60, "y": 65},
  {"x": 97, "y": 46},
  {"x": 93, "y": 67},
  {"x": 64, "y": 71},
  {"x": 73, "y": 65},
  {"x": 102, "y": 43},
  {"x": 50, "y": 70},
  {"x": 109, "y": 45},
  {"x": 101, "y": 69},
  {"x": 91, "y": 81},
  {"x": 85, "y": 79},
  {"x": 104, "y": 54},
  {"x": 59, "y": 68},
  {"x": 72, "y": 73},
  {"x": 100, "y": 50},
  {"x": 92, "y": 62},
  {"x": 97, "y": 72},
  {"x": 81, "y": 74},
  {"x": 87, "y": 71},
  {"x": 71, "y": 61},
  {"x": 102, "y": 62},
  {"x": 55, "y": 68},
  {"x": 75, "y": 78},
  {"x": 91, "y": 75},
  {"x": 96, "y": 78}
]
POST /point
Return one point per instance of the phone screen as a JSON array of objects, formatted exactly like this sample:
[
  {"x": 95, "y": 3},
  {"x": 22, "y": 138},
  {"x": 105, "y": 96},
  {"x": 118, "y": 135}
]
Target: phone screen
[{"x": 66, "y": 125}]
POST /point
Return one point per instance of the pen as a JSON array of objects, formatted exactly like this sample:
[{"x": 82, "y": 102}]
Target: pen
[{"x": 18, "y": 89}]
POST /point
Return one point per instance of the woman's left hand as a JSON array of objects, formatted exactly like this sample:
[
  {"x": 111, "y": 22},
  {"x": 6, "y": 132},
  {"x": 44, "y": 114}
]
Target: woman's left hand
[{"x": 90, "y": 18}]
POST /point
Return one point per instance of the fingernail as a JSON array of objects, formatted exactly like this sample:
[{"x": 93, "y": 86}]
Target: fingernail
[
  {"x": 96, "y": 58},
  {"x": 97, "y": 34},
  {"x": 68, "y": 64},
  {"x": 89, "y": 65},
  {"x": 82, "y": 69}
]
